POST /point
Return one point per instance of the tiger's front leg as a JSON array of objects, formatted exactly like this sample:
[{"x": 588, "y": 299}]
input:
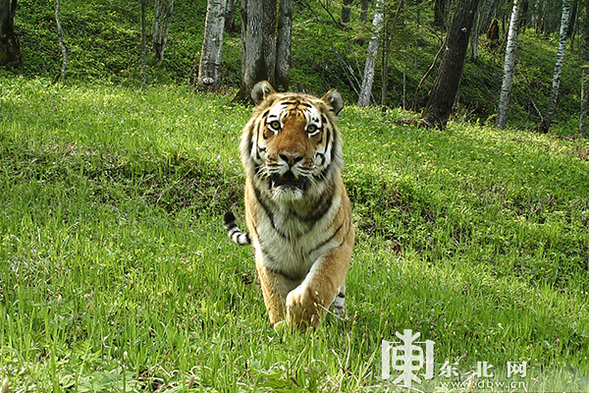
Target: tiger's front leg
[
  {"x": 274, "y": 289},
  {"x": 307, "y": 304}
]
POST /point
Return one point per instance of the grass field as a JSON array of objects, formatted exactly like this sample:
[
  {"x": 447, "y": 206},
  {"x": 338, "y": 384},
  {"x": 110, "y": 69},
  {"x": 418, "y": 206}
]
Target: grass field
[{"x": 116, "y": 274}]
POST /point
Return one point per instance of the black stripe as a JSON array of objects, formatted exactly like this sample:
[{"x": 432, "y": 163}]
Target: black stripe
[
  {"x": 321, "y": 208},
  {"x": 268, "y": 213},
  {"x": 325, "y": 241},
  {"x": 322, "y": 158}
]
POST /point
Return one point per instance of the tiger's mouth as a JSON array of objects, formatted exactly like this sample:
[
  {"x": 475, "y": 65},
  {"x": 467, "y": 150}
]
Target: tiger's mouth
[{"x": 288, "y": 181}]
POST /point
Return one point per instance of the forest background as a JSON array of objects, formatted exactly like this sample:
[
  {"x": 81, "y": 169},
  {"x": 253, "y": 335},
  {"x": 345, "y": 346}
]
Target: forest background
[
  {"x": 103, "y": 42},
  {"x": 116, "y": 273}
]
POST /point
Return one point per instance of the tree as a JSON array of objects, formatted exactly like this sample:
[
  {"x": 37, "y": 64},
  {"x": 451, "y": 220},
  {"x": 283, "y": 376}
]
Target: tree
[
  {"x": 283, "y": 45},
  {"x": 230, "y": 15},
  {"x": 368, "y": 79},
  {"x": 346, "y": 11},
  {"x": 209, "y": 70},
  {"x": 162, "y": 19},
  {"x": 143, "y": 45},
  {"x": 509, "y": 66},
  {"x": 584, "y": 48},
  {"x": 564, "y": 23},
  {"x": 389, "y": 28},
  {"x": 261, "y": 43},
  {"x": 9, "y": 43},
  {"x": 439, "y": 14},
  {"x": 60, "y": 38},
  {"x": 443, "y": 93}
]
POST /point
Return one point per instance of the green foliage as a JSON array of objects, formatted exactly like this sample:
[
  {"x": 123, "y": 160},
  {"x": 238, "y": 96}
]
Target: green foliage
[{"x": 117, "y": 274}]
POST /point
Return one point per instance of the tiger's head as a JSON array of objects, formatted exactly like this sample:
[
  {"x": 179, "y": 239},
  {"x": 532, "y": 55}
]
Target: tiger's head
[{"x": 291, "y": 147}]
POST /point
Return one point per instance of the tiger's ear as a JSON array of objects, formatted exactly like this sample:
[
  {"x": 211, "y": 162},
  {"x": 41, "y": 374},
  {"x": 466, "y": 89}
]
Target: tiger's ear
[
  {"x": 334, "y": 99},
  {"x": 262, "y": 90}
]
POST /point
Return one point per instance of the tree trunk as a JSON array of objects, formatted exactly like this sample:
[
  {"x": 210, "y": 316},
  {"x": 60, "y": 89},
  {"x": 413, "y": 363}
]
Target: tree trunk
[
  {"x": 230, "y": 15},
  {"x": 584, "y": 48},
  {"x": 439, "y": 14},
  {"x": 269, "y": 43},
  {"x": 364, "y": 11},
  {"x": 509, "y": 66},
  {"x": 564, "y": 21},
  {"x": 441, "y": 99},
  {"x": 283, "y": 45},
  {"x": 9, "y": 43},
  {"x": 143, "y": 45},
  {"x": 346, "y": 11},
  {"x": 253, "y": 62},
  {"x": 162, "y": 20},
  {"x": 388, "y": 39},
  {"x": 368, "y": 79},
  {"x": 474, "y": 38},
  {"x": 523, "y": 19},
  {"x": 209, "y": 69},
  {"x": 60, "y": 39},
  {"x": 260, "y": 46},
  {"x": 584, "y": 100}
]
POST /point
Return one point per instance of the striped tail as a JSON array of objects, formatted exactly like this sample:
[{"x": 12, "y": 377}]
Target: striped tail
[{"x": 233, "y": 231}]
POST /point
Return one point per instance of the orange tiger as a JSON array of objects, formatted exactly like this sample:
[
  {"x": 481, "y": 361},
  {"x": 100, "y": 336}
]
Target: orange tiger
[{"x": 297, "y": 209}]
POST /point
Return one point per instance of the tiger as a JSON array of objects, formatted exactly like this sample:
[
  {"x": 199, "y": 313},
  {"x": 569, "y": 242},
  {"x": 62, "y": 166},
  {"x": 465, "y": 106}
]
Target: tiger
[{"x": 297, "y": 209}]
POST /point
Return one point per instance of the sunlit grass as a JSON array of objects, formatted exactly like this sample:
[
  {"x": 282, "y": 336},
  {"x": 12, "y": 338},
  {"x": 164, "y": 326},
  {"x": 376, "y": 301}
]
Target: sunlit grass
[{"x": 116, "y": 273}]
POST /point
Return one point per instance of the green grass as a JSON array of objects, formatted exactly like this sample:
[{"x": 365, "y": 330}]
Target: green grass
[{"x": 116, "y": 273}]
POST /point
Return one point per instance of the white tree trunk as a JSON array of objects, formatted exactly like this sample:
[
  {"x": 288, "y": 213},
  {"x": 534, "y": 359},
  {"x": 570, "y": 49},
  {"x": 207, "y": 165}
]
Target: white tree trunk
[
  {"x": 60, "y": 38},
  {"x": 143, "y": 46},
  {"x": 584, "y": 49},
  {"x": 509, "y": 67},
  {"x": 209, "y": 70},
  {"x": 368, "y": 79},
  {"x": 564, "y": 25}
]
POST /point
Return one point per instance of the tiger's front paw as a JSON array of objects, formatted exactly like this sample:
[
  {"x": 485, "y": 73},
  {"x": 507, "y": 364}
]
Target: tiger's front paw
[{"x": 303, "y": 308}]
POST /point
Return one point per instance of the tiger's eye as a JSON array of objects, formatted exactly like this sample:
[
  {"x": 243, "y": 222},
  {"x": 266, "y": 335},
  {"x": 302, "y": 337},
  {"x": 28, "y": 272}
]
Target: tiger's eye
[
  {"x": 311, "y": 128},
  {"x": 275, "y": 124}
]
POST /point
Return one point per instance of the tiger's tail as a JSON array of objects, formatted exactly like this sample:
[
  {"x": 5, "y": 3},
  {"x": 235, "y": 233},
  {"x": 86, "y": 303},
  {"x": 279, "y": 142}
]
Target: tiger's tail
[{"x": 233, "y": 231}]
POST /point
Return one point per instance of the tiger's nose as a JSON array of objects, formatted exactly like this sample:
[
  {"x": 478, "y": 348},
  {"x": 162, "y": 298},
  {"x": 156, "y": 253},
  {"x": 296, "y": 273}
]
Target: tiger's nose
[{"x": 291, "y": 158}]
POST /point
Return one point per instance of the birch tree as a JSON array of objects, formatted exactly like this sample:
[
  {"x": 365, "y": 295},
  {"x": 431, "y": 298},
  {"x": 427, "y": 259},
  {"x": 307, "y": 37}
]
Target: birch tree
[
  {"x": 209, "y": 69},
  {"x": 564, "y": 24},
  {"x": 509, "y": 66},
  {"x": 584, "y": 49},
  {"x": 368, "y": 79},
  {"x": 60, "y": 39},
  {"x": 143, "y": 45}
]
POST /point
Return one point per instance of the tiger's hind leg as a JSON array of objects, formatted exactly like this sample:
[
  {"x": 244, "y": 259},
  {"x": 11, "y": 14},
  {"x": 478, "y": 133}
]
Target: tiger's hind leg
[{"x": 339, "y": 303}]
